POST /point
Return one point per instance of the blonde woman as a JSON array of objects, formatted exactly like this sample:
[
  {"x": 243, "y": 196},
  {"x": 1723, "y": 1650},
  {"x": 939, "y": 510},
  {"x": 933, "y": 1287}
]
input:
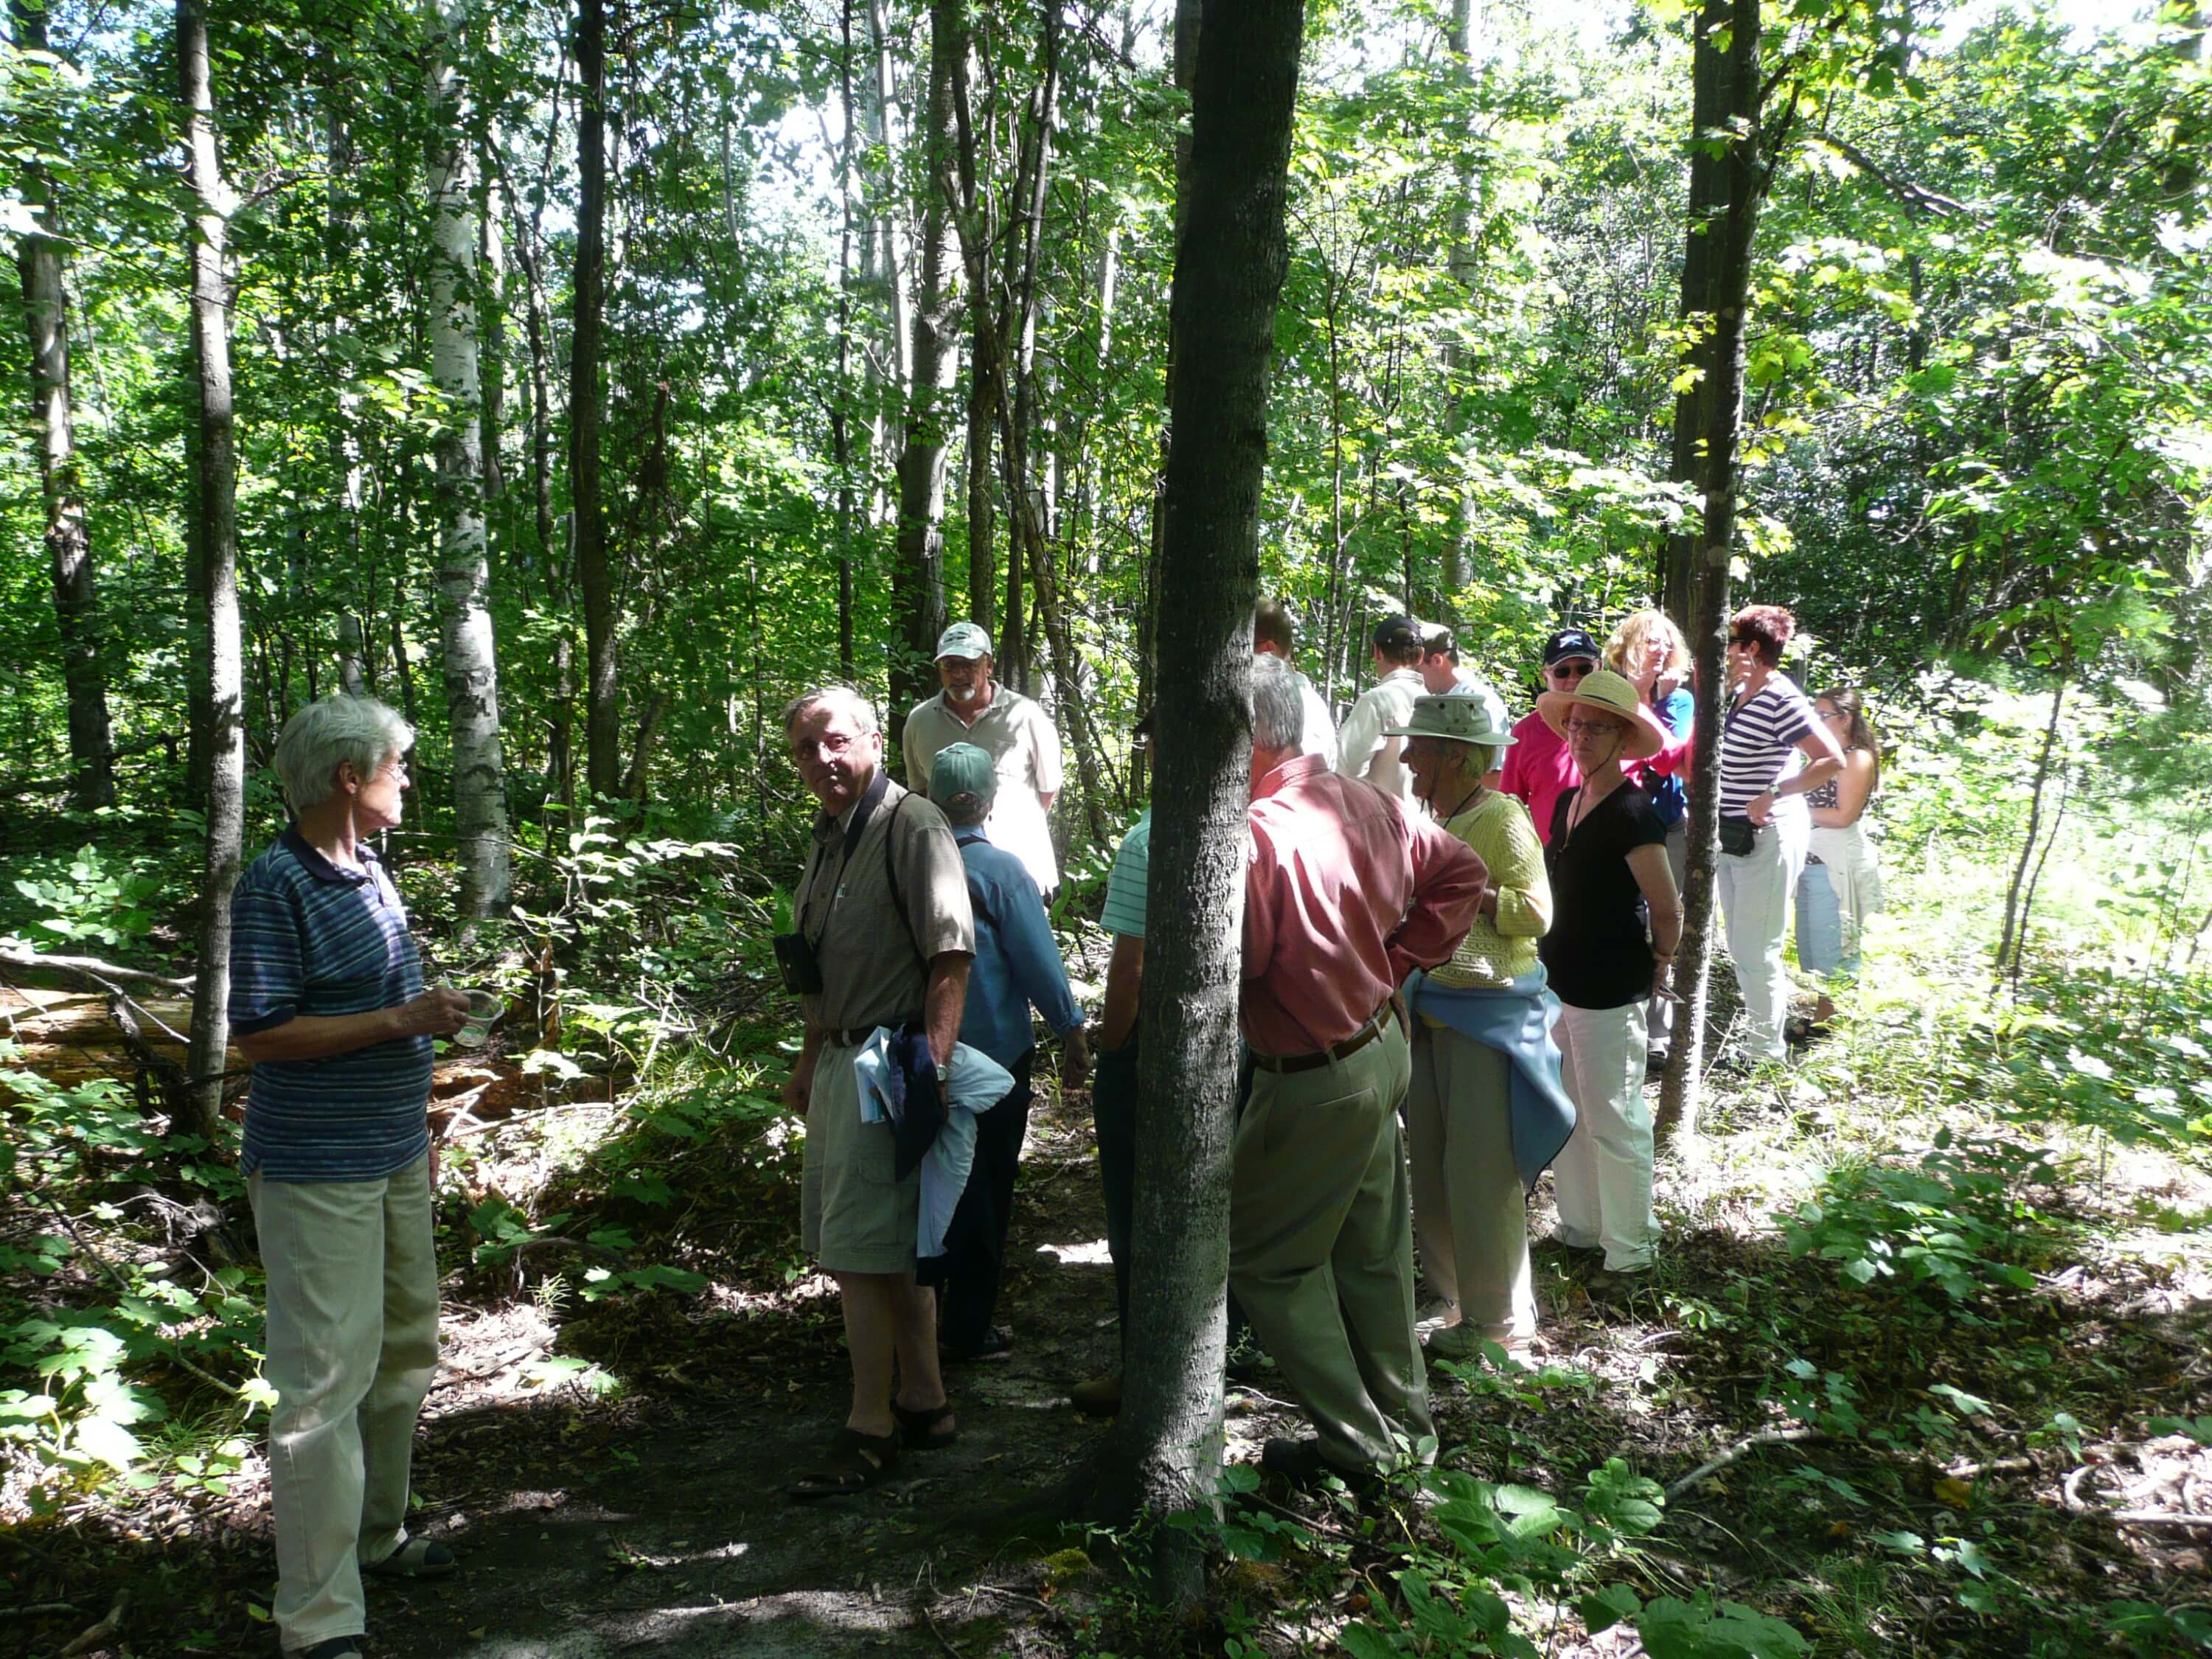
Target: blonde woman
[
  {"x": 1840, "y": 885},
  {"x": 1649, "y": 651}
]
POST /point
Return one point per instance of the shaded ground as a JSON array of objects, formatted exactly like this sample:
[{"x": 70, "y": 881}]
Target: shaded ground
[{"x": 650, "y": 1520}]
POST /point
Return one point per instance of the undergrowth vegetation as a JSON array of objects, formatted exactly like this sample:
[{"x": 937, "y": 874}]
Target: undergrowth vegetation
[{"x": 1931, "y": 1316}]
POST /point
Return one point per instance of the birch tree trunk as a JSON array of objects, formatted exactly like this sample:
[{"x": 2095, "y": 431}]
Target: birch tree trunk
[
  {"x": 918, "y": 572},
  {"x": 214, "y": 541},
  {"x": 355, "y": 677},
  {"x": 603, "y": 738},
  {"x": 1230, "y": 258},
  {"x": 69, "y": 541},
  {"x": 471, "y": 653},
  {"x": 1459, "y": 539},
  {"x": 1725, "y": 193}
]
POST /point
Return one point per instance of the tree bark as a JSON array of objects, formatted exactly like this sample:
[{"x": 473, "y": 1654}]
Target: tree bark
[
  {"x": 603, "y": 738},
  {"x": 471, "y": 654},
  {"x": 215, "y": 542},
  {"x": 69, "y": 541},
  {"x": 918, "y": 572},
  {"x": 841, "y": 414},
  {"x": 1725, "y": 192},
  {"x": 1230, "y": 262},
  {"x": 1459, "y": 538}
]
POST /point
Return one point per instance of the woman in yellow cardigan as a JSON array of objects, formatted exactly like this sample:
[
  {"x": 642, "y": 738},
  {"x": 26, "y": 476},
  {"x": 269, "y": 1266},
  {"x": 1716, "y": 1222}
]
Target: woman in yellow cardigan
[{"x": 1486, "y": 1112}]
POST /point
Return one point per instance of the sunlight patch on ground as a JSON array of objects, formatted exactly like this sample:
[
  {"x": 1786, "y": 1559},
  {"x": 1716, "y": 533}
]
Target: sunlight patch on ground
[{"x": 1093, "y": 1255}]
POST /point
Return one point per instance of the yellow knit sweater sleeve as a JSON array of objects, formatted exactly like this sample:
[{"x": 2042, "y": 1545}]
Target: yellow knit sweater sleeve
[{"x": 1495, "y": 953}]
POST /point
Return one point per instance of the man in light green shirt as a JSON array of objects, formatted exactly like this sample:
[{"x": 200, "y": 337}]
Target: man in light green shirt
[{"x": 1014, "y": 731}]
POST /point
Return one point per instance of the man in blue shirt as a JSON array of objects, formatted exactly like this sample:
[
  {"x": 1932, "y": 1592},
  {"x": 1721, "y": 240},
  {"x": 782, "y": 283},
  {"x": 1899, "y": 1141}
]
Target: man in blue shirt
[
  {"x": 1017, "y": 967},
  {"x": 326, "y": 999}
]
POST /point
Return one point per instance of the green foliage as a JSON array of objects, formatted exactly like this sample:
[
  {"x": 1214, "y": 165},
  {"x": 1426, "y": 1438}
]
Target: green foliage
[{"x": 89, "y": 899}]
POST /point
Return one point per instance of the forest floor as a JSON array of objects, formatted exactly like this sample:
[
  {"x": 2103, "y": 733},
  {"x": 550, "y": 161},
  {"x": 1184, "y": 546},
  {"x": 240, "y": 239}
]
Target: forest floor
[{"x": 1974, "y": 1468}]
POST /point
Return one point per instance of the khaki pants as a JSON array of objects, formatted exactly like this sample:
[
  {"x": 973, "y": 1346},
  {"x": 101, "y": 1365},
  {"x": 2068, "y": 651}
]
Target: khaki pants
[
  {"x": 1320, "y": 1247},
  {"x": 1603, "y": 1177},
  {"x": 353, "y": 1342},
  {"x": 856, "y": 1215},
  {"x": 1469, "y": 1207}
]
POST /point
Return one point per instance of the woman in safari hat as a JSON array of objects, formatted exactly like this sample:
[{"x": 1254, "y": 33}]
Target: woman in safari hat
[
  {"x": 1485, "y": 1111},
  {"x": 1616, "y": 923}
]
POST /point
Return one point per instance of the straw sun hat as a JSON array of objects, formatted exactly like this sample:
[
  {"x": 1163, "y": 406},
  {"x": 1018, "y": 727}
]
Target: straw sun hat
[{"x": 1609, "y": 692}]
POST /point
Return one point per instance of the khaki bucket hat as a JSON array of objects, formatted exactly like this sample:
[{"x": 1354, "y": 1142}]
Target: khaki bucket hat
[{"x": 1615, "y": 694}]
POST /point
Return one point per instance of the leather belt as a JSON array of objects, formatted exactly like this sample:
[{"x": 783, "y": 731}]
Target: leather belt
[
  {"x": 845, "y": 1038},
  {"x": 1378, "y": 1023}
]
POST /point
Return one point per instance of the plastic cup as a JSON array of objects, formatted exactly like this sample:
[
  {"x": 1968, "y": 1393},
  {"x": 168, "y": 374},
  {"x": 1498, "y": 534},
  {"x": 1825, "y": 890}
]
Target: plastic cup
[{"x": 484, "y": 1007}]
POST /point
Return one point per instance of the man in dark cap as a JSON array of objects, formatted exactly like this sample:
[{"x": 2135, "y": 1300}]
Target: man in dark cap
[{"x": 1363, "y": 748}]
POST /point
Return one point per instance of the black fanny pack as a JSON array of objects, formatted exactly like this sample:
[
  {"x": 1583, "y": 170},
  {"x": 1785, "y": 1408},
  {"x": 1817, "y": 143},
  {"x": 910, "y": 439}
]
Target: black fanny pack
[{"x": 1739, "y": 835}]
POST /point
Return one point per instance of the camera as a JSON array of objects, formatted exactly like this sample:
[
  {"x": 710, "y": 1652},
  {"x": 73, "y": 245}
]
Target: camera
[{"x": 800, "y": 967}]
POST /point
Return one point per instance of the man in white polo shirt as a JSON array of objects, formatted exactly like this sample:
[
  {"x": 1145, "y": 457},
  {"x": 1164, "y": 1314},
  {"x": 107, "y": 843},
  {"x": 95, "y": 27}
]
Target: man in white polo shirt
[{"x": 1017, "y": 734}]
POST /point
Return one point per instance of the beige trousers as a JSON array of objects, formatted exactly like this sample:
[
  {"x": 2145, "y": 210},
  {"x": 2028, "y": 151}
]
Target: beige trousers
[
  {"x": 1470, "y": 1211},
  {"x": 353, "y": 1342},
  {"x": 1320, "y": 1247}
]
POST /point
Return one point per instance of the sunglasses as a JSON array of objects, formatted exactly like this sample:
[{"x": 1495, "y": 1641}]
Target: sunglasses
[{"x": 1573, "y": 669}]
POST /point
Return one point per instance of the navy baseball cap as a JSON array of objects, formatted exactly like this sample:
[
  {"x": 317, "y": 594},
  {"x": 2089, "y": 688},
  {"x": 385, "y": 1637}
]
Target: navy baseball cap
[
  {"x": 1396, "y": 633},
  {"x": 1569, "y": 643}
]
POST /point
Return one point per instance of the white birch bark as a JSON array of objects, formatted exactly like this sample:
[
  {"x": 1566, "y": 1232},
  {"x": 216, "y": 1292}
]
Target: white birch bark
[{"x": 471, "y": 667}]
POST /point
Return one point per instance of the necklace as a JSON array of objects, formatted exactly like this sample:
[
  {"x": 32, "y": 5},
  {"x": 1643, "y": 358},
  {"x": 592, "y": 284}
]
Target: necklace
[{"x": 1446, "y": 818}]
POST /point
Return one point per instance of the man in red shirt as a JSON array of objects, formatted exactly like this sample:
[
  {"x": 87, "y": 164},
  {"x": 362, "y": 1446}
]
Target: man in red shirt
[
  {"x": 1538, "y": 769},
  {"x": 1345, "y": 894}
]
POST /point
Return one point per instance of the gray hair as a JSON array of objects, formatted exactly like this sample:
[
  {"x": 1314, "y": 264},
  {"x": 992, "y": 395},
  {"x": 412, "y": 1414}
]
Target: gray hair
[
  {"x": 326, "y": 735},
  {"x": 1483, "y": 758},
  {"x": 837, "y": 695},
  {"x": 1278, "y": 715},
  {"x": 966, "y": 809}
]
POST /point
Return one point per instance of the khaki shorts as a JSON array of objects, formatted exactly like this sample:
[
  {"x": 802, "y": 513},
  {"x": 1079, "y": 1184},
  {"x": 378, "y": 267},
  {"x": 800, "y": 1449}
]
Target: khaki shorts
[{"x": 854, "y": 1217}]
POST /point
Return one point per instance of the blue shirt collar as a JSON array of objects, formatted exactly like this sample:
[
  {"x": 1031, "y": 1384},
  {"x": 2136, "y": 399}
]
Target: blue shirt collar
[{"x": 320, "y": 867}]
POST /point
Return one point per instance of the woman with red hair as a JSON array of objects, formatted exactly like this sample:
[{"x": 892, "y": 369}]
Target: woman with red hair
[{"x": 1773, "y": 751}]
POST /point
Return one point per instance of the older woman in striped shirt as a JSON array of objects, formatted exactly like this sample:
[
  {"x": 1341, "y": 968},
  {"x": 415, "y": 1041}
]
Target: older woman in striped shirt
[{"x": 1773, "y": 751}]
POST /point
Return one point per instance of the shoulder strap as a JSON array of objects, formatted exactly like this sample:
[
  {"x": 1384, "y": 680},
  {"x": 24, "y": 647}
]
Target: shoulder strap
[{"x": 890, "y": 870}]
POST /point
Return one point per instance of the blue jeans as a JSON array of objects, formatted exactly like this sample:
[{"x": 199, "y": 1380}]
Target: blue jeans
[{"x": 1821, "y": 942}]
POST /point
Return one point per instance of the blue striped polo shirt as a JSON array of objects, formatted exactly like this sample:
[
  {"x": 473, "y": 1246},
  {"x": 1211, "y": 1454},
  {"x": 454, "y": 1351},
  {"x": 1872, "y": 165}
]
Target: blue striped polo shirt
[{"x": 309, "y": 937}]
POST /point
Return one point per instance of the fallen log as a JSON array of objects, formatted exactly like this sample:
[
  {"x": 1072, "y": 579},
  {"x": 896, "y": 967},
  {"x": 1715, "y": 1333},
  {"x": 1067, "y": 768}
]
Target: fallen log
[{"x": 103, "y": 974}]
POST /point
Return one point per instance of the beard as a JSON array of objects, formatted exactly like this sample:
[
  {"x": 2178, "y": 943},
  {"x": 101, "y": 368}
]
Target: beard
[{"x": 963, "y": 693}]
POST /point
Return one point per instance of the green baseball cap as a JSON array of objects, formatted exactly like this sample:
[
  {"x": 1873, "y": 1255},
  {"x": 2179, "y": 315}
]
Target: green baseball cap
[{"x": 962, "y": 769}]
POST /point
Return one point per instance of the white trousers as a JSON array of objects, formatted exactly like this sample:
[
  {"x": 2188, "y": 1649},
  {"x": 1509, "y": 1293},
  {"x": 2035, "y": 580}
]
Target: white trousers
[
  {"x": 1755, "y": 894},
  {"x": 353, "y": 1342},
  {"x": 1603, "y": 1178}
]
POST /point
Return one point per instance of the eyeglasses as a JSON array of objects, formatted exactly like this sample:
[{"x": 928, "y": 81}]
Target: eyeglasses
[
  {"x": 1573, "y": 669},
  {"x": 1596, "y": 728},
  {"x": 1832, "y": 715}
]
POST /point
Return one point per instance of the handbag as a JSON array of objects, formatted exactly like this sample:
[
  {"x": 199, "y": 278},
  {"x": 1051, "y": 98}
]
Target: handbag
[{"x": 1739, "y": 835}]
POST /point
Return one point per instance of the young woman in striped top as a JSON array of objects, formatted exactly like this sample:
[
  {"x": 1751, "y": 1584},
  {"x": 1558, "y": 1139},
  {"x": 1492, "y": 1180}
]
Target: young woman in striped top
[{"x": 1772, "y": 753}]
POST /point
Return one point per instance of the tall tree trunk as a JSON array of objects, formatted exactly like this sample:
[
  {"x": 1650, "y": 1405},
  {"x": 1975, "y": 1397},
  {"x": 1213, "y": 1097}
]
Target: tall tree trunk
[
  {"x": 1229, "y": 261},
  {"x": 603, "y": 738},
  {"x": 1459, "y": 537},
  {"x": 1189, "y": 15},
  {"x": 470, "y": 655},
  {"x": 2009, "y": 943},
  {"x": 841, "y": 414},
  {"x": 355, "y": 673},
  {"x": 1725, "y": 194},
  {"x": 982, "y": 562},
  {"x": 69, "y": 541},
  {"x": 918, "y": 572},
  {"x": 215, "y": 542}
]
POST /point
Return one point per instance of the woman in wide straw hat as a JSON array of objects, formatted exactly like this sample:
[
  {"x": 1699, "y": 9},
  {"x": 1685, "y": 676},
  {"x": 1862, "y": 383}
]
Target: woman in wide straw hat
[
  {"x": 1616, "y": 923},
  {"x": 1487, "y": 1110}
]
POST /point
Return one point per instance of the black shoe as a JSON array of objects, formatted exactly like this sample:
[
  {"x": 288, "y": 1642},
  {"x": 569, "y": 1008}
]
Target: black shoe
[
  {"x": 1302, "y": 1464},
  {"x": 996, "y": 1343}
]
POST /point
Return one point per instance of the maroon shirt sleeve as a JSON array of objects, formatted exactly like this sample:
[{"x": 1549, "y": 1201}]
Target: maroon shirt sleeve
[{"x": 1449, "y": 878}]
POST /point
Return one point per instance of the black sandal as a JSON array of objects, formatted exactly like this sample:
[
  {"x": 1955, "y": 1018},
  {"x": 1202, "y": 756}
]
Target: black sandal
[
  {"x": 856, "y": 1463},
  {"x": 927, "y": 1428}
]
